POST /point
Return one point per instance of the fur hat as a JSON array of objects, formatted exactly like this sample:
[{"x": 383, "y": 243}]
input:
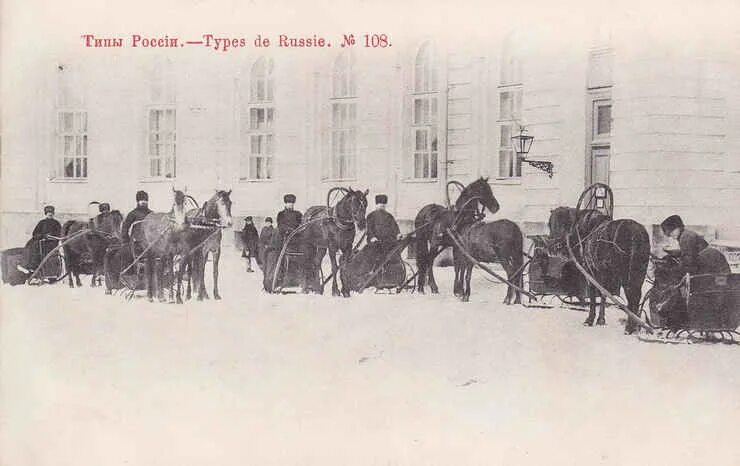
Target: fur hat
[
  {"x": 670, "y": 224},
  {"x": 289, "y": 198},
  {"x": 381, "y": 199},
  {"x": 248, "y": 218},
  {"x": 268, "y": 219},
  {"x": 104, "y": 207},
  {"x": 49, "y": 209},
  {"x": 142, "y": 196}
]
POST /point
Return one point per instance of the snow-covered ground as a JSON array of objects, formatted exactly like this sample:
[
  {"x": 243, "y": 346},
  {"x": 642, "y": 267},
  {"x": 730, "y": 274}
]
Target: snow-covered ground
[{"x": 257, "y": 379}]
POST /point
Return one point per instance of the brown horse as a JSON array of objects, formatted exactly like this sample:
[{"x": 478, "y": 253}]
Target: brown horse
[
  {"x": 476, "y": 193},
  {"x": 86, "y": 252},
  {"x": 500, "y": 241},
  {"x": 615, "y": 252},
  {"x": 331, "y": 230}
]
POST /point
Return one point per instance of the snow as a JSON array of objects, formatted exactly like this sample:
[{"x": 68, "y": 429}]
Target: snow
[{"x": 257, "y": 379}]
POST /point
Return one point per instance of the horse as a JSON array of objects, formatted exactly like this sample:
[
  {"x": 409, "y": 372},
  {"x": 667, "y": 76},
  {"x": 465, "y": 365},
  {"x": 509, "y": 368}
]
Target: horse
[
  {"x": 477, "y": 192},
  {"x": 615, "y": 252},
  {"x": 164, "y": 238},
  {"x": 499, "y": 241},
  {"x": 104, "y": 231},
  {"x": 331, "y": 229},
  {"x": 216, "y": 212}
]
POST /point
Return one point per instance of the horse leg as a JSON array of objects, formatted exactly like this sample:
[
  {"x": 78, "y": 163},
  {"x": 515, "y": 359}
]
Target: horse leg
[
  {"x": 320, "y": 253},
  {"x": 216, "y": 257},
  {"x": 149, "y": 275},
  {"x": 188, "y": 292},
  {"x": 602, "y": 305},
  {"x": 633, "y": 294},
  {"x": 203, "y": 294},
  {"x": 345, "y": 257},
  {"x": 334, "y": 272},
  {"x": 430, "y": 269},
  {"x": 468, "y": 276},
  {"x": 509, "y": 290},
  {"x": 422, "y": 251},
  {"x": 72, "y": 270},
  {"x": 591, "y": 306}
]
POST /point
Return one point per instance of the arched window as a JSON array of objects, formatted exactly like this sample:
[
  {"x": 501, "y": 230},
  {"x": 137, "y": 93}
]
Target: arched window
[
  {"x": 256, "y": 124},
  {"x": 425, "y": 113},
  {"x": 343, "y": 123}
]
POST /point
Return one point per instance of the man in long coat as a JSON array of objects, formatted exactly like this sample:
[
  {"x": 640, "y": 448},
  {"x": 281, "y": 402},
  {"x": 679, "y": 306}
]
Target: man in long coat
[
  {"x": 41, "y": 242},
  {"x": 250, "y": 239},
  {"x": 288, "y": 219},
  {"x": 141, "y": 211}
]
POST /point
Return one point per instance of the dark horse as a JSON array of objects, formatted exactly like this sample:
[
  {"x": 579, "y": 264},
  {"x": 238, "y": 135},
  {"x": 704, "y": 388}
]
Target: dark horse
[
  {"x": 163, "y": 238},
  {"x": 477, "y": 192},
  {"x": 105, "y": 231},
  {"x": 614, "y": 252},
  {"x": 500, "y": 241},
  {"x": 331, "y": 229}
]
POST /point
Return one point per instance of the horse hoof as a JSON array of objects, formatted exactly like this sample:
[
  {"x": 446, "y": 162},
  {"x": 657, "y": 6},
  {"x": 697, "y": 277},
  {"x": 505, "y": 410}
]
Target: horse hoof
[
  {"x": 345, "y": 294},
  {"x": 108, "y": 292},
  {"x": 179, "y": 300},
  {"x": 465, "y": 299},
  {"x": 588, "y": 323},
  {"x": 151, "y": 300},
  {"x": 435, "y": 291},
  {"x": 601, "y": 322},
  {"x": 217, "y": 297}
]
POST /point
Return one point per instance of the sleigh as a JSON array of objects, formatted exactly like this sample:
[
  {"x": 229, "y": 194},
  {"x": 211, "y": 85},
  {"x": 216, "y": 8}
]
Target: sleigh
[
  {"x": 381, "y": 270},
  {"x": 703, "y": 307}
]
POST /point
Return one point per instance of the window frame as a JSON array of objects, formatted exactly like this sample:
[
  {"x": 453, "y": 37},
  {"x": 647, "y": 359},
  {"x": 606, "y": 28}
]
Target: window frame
[
  {"x": 59, "y": 172},
  {"x": 510, "y": 120},
  {"x": 258, "y": 166},
  {"x": 149, "y": 133},
  {"x": 426, "y": 88}
]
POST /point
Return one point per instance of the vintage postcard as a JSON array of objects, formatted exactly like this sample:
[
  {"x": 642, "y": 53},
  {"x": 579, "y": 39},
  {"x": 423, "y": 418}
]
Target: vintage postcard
[{"x": 369, "y": 232}]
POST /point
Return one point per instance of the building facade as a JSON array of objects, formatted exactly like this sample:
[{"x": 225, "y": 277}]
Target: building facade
[{"x": 659, "y": 123}]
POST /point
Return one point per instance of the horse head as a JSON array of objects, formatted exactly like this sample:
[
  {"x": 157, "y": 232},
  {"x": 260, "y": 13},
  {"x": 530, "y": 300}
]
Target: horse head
[
  {"x": 218, "y": 208},
  {"x": 480, "y": 190},
  {"x": 353, "y": 205},
  {"x": 561, "y": 222}
]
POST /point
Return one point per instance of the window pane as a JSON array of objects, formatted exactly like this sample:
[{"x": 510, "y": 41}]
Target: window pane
[
  {"x": 433, "y": 162},
  {"x": 421, "y": 140},
  {"x": 418, "y": 109},
  {"x": 268, "y": 144},
  {"x": 68, "y": 124},
  {"x": 84, "y": 145},
  {"x": 434, "y": 141},
  {"x": 505, "y": 136},
  {"x": 505, "y": 163},
  {"x": 270, "y": 91},
  {"x": 78, "y": 145},
  {"x": 270, "y": 117},
  {"x": 68, "y": 145},
  {"x": 505, "y": 103},
  {"x": 418, "y": 164},
  {"x": 83, "y": 126},
  {"x": 256, "y": 140},
  {"x": 604, "y": 119},
  {"x": 68, "y": 167},
  {"x": 84, "y": 167}
]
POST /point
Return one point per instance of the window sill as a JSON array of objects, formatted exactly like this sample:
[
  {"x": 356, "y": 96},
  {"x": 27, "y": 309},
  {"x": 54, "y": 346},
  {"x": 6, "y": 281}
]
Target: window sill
[
  {"x": 338, "y": 180},
  {"x": 157, "y": 180},
  {"x": 259, "y": 180},
  {"x": 421, "y": 180},
  {"x": 68, "y": 180},
  {"x": 507, "y": 181}
]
